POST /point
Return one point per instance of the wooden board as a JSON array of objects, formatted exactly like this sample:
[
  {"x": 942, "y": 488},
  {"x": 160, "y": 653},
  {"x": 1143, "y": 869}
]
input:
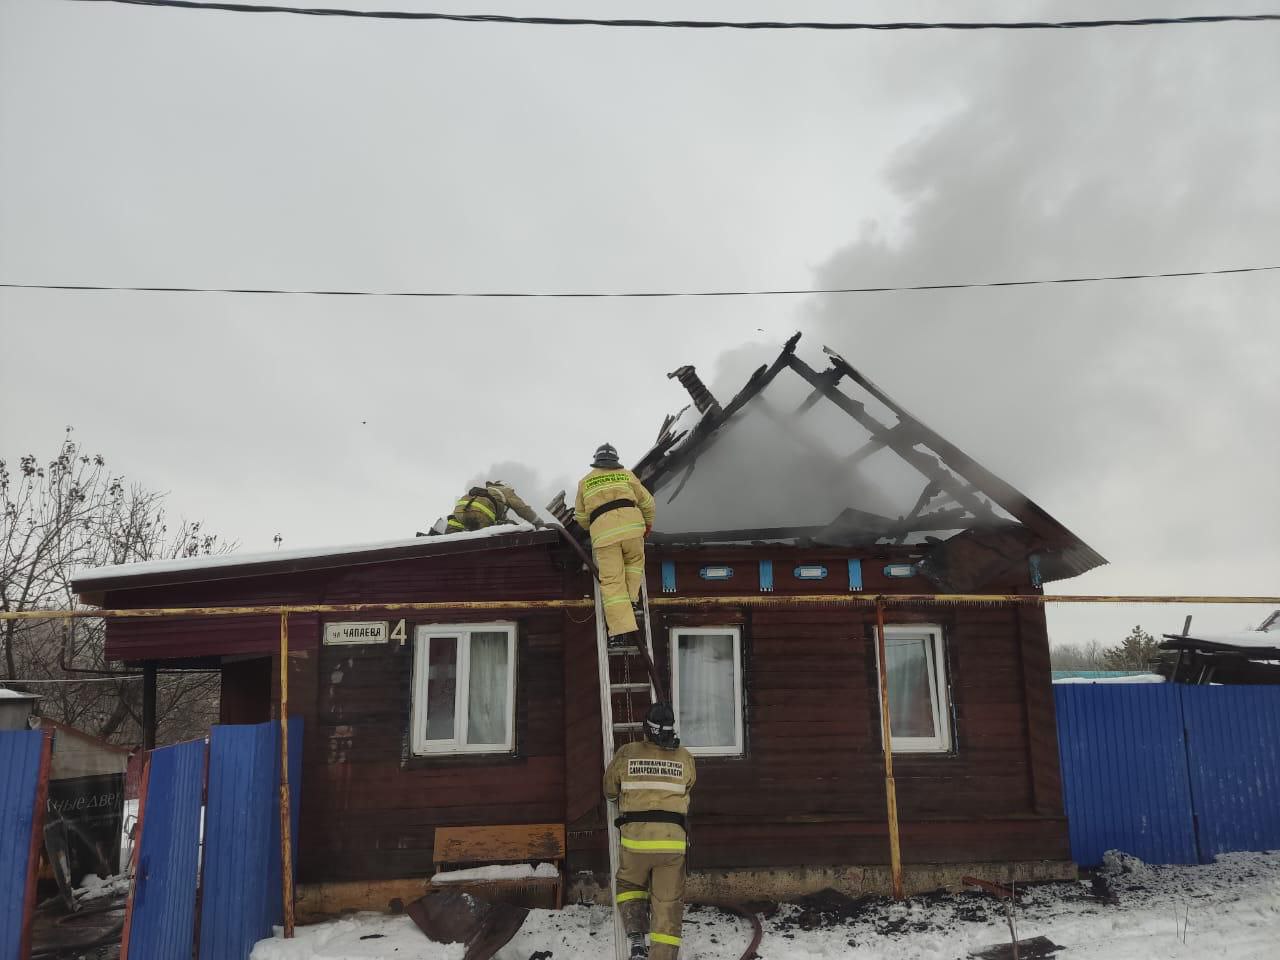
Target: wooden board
[{"x": 533, "y": 841}]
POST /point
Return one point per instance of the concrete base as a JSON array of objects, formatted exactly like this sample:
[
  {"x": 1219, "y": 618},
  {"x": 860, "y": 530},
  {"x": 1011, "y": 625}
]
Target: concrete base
[
  {"x": 314, "y": 902},
  {"x": 789, "y": 883},
  {"x": 317, "y": 901}
]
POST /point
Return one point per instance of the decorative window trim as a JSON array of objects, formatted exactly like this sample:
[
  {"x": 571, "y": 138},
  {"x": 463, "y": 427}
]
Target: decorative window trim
[
  {"x": 940, "y": 701},
  {"x": 422, "y": 636},
  {"x": 738, "y": 747}
]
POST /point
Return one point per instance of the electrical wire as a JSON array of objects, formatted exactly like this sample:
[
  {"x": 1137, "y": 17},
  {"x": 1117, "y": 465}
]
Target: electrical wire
[
  {"x": 695, "y": 24},
  {"x": 483, "y": 294}
]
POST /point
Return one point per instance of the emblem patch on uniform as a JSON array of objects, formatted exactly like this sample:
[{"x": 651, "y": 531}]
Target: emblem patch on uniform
[{"x": 655, "y": 768}]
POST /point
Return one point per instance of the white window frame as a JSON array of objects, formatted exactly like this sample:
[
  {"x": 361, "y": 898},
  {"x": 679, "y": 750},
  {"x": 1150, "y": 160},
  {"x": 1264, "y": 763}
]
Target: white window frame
[
  {"x": 937, "y": 687},
  {"x": 737, "y": 748},
  {"x": 422, "y": 636}
]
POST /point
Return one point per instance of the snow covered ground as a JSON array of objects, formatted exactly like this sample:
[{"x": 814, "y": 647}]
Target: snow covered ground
[{"x": 1230, "y": 911}]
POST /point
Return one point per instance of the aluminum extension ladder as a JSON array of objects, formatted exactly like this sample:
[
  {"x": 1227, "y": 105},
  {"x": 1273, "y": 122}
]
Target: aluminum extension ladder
[{"x": 617, "y": 668}]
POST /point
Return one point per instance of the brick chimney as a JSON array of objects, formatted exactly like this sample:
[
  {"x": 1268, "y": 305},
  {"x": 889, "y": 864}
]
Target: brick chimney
[{"x": 702, "y": 398}]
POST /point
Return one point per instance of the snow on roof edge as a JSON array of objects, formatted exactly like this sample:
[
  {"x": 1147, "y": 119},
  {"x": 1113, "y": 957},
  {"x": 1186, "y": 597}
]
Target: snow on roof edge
[
  {"x": 1257, "y": 639},
  {"x": 88, "y": 575}
]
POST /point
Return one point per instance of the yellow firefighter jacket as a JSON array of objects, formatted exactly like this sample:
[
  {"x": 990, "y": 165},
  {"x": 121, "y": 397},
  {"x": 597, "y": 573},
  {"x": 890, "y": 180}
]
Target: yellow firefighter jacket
[
  {"x": 484, "y": 506},
  {"x": 644, "y": 776},
  {"x": 633, "y": 513}
]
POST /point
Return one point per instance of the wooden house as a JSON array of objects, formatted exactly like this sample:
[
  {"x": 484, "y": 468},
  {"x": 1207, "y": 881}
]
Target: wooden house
[{"x": 807, "y": 484}]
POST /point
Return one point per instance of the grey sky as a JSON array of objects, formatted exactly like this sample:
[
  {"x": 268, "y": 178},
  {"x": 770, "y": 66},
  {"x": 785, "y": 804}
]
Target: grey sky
[{"x": 163, "y": 147}]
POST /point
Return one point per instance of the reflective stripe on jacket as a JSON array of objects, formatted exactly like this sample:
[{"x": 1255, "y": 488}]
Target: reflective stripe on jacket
[
  {"x": 644, "y": 776},
  {"x": 601, "y": 487},
  {"x": 484, "y": 506}
]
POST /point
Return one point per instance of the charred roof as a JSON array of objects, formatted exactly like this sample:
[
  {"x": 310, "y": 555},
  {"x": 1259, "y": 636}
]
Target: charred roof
[{"x": 826, "y": 457}]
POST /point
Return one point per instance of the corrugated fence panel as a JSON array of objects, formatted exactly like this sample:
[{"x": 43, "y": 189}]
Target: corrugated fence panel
[
  {"x": 242, "y": 894},
  {"x": 1233, "y": 739},
  {"x": 162, "y": 913},
  {"x": 21, "y": 756},
  {"x": 1124, "y": 772}
]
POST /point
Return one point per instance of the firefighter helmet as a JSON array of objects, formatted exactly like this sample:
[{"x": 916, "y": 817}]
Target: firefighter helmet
[
  {"x": 606, "y": 456},
  {"x": 660, "y": 726}
]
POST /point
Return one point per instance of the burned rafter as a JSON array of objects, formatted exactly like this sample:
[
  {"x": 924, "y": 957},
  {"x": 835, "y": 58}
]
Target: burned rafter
[
  {"x": 974, "y": 490},
  {"x": 1006, "y": 495},
  {"x": 931, "y": 489},
  {"x": 652, "y": 469},
  {"x": 929, "y": 467},
  {"x": 832, "y": 377},
  {"x": 877, "y": 442}
]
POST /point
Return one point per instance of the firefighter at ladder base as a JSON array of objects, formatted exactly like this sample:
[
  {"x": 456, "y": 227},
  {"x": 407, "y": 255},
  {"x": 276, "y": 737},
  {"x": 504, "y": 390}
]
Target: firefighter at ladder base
[
  {"x": 651, "y": 781},
  {"x": 613, "y": 505}
]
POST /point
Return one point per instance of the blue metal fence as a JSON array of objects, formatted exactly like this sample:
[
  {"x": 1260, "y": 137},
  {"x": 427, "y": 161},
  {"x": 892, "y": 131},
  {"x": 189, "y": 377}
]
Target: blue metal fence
[
  {"x": 162, "y": 914},
  {"x": 1169, "y": 773},
  {"x": 1233, "y": 757},
  {"x": 23, "y": 764},
  {"x": 241, "y": 896},
  {"x": 1124, "y": 772}
]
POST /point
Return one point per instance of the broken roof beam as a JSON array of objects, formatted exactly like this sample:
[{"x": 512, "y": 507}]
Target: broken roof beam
[
  {"x": 833, "y": 377},
  {"x": 931, "y": 489},
  {"x": 1006, "y": 495},
  {"x": 655, "y": 470},
  {"x": 878, "y": 442},
  {"x": 689, "y": 379},
  {"x": 929, "y": 467},
  {"x": 657, "y": 452},
  {"x": 951, "y": 518}
]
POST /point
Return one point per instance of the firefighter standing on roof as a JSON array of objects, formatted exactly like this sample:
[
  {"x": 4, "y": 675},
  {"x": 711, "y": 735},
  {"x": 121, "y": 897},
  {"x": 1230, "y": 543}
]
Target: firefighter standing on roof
[
  {"x": 618, "y": 511},
  {"x": 651, "y": 782},
  {"x": 482, "y": 507}
]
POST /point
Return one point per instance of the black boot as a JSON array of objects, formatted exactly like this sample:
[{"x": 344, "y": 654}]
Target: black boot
[{"x": 623, "y": 640}]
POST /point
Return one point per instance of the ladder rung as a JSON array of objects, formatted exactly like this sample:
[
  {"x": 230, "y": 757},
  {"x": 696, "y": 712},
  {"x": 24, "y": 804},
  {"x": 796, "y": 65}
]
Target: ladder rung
[
  {"x": 623, "y": 651},
  {"x": 628, "y": 727},
  {"x": 628, "y": 687}
]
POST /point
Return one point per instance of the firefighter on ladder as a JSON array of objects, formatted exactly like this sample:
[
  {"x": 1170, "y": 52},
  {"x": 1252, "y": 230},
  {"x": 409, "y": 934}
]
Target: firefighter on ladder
[
  {"x": 484, "y": 506},
  {"x": 613, "y": 505},
  {"x": 651, "y": 781}
]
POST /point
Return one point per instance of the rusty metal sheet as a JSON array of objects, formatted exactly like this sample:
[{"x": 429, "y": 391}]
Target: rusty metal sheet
[{"x": 453, "y": 917}]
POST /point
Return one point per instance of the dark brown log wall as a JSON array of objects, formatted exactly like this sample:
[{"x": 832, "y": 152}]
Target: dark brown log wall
[{"x": 808, "y": 791}]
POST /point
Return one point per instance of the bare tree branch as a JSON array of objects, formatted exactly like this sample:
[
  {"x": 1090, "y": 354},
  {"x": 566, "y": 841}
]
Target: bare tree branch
[{"x": 68, "y": 513}]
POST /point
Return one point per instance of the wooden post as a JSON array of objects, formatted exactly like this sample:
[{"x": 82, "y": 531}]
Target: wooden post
[
  {"x": 149, "y": 705},
  {"x": 890, "y": 789},
  {"x": 286, "y": 840}
]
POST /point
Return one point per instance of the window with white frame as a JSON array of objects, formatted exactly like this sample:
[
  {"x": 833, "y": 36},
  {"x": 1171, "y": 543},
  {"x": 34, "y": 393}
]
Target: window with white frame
[
  {"x": 706, "y": 685},
  {"x": 919, "y": 714},
  {"x": 464, "y": 688}
]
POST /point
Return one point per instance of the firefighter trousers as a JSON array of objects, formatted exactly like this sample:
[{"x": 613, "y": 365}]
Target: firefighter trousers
[
  {"x": 621, "y": 572},
  {"x": 656, "y": 881}
]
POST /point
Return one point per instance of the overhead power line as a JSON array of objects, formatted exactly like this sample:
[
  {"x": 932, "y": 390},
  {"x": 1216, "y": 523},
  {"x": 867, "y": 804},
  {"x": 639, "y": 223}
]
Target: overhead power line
[
  {"x": 697, "y": 24},
  {"x": 499, "y": 294}
]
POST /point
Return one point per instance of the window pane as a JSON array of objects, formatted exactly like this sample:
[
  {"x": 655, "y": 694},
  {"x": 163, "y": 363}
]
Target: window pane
[
  {"x": 487, "y": 688},
  {"x": 910, "y": 704},
  {"x": 707, "y": 706},
  {"x": 442, "y": 687}
]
